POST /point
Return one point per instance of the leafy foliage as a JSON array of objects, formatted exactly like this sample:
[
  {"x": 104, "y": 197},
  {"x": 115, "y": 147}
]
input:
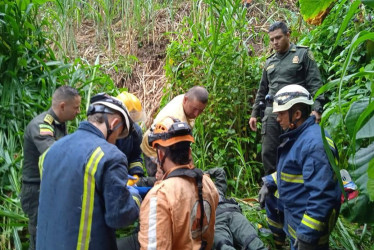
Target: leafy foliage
[
  {"x": 349, "y": 115},
  {"x": 314, "y": 11},
  {"x": 29, "y": 73},
  {"x": 210, "y": 51}
]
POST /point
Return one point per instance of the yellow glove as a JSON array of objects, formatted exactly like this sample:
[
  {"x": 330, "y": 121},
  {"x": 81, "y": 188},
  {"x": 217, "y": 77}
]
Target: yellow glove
[{"x": 133, "y": 179}]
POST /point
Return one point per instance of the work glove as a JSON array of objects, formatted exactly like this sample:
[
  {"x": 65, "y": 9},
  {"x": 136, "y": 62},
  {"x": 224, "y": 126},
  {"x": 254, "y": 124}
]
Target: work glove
[
  {"x": 264, "y": 191},
  {"x": 135, "y": 195},
  {"x": 132, "y": 179},
  {"x": 302, "y": 245}
]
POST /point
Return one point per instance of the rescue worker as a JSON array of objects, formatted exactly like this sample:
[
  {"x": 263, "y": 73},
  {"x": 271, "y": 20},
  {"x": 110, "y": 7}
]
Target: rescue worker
[
  {"x": 83, "y": 195},
  {"x": 232, "y": 229},
  {"x": 290, "y": 64},
  {"x": 307, "y": 186},
  {"x": 186, "y": 107},
  {"x": 179, "y": 211},
  {"x": 39, "y": 135},
  {"x": 130, "y": 145}
]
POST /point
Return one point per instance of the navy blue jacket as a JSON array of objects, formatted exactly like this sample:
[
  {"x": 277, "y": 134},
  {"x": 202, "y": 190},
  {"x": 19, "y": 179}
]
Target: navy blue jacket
[
  {"x": 307, "y": 185},
  {"x": 83, "y": 195},
  {"x": 130, "y": 146}
]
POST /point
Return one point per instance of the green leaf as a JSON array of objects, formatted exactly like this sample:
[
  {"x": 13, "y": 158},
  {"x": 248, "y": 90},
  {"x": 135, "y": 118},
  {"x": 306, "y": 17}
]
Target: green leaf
[
  {"x": 331, "y": 84},
  {"x": 361, "y": 119},
  {"x": 353, "y": 114},
  {"x": 369, "y": 3},
  {"x": 370, "y": 185},
  {"x": 352, "y": 10},
  {"x": 367, "y": 130},
  {"x": 314, "y": 11},
  {"x": 361, "y": 209}
]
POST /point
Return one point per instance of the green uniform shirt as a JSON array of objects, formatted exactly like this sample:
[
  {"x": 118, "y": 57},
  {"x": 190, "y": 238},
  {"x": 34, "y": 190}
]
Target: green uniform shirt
[
  {"x": 39, "y": 135},
  {"x": 296, "y": 66}
]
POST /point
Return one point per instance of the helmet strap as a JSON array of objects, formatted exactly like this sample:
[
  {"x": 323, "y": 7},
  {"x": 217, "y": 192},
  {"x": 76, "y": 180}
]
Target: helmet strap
[
  {"x": 292, "y": 124},
  {"x": 108, "y": 130},
  {"x": 161, "y": 162}
]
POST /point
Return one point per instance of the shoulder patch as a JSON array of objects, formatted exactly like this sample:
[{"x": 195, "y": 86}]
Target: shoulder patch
[
  {"x": 302, "y": 46},
  {"x": 45, "y": 129},
  {"x": 48, "y": 119},
  {"x": 270, "y": 67},
  {"x": 310, "y": 55}
]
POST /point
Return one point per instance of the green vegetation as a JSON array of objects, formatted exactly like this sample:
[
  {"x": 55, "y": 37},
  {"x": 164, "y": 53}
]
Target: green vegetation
[{"x": 219, "y": 44}]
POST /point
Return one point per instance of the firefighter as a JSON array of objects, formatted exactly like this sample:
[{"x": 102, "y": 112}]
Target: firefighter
[
  {"x": 83, "y": 195},
  {"x": 305, "y": 181}
]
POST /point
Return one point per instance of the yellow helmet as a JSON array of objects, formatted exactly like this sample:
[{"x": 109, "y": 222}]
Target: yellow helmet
[{"x": 133, "y": 105}]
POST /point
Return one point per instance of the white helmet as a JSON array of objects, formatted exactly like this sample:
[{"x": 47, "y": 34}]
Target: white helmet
[
  {"x": 103, "y": 103},
  {"x": 289, "y": 95}
]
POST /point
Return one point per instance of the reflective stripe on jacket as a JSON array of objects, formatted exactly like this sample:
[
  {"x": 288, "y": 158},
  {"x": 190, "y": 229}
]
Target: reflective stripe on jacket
[
  {"x": 307, "y": 184},
  {"x": 83, "y": 196}
]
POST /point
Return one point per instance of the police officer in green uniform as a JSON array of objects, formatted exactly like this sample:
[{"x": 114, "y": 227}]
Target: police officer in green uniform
[
  {"x": 291, "y": 64},
  {"x": 232, "y": 229},
  {"x": 39, "y": 135}
]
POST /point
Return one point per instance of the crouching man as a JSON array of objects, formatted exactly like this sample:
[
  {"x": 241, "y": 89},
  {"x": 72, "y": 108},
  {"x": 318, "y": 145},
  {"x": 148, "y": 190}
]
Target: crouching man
[{"x": 179, "y": 211}]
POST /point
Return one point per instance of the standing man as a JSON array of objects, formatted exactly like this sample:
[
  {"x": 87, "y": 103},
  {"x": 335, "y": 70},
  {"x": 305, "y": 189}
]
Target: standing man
[
  {"x": 186, "y": 108},
  {"x": 308, "y": 188},
  {"x": 179, "y": 211},
  {"x": 83, "y": 195},
  {"x": 40, "y": 134},
  {"x": 290, "y": 64}
]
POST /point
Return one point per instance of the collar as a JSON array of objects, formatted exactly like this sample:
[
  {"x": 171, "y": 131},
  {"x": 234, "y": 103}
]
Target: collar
[
  {"x": 88, "y": 126},
  {"x": 294, "y": 133},
  {"x": 55, "y": 118},
  {"x": 190, "y": 166},
  {"x": 292, "y": 48}
]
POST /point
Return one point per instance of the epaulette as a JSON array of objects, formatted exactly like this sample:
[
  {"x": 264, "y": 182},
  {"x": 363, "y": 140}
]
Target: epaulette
[
  {"x": 48, "y": 119},
  {"x": 270, "y": 56},
  {"x": 302, "y": 46}
]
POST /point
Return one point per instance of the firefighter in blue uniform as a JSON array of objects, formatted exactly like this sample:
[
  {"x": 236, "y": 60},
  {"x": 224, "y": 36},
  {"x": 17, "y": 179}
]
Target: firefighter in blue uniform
[
  {"x": 307, "y": 186},
  {"x": 83, "y": 195}
]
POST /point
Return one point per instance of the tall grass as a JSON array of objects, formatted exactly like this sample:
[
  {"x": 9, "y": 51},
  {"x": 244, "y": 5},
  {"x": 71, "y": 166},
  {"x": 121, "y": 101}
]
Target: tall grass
[
  {"x": 211, "y": 51},
  {"x": 135, "y": 18}
]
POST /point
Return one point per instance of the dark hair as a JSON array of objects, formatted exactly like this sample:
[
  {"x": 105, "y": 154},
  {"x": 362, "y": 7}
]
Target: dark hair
[
  {"x": 279, "y": 25},
  {"x": 304, "y": 108},
  {"x": 64, "y": 93},
  {"x": 96, "y": 117},
  {"x": 199, "y": 93},
  {"x": 178, "y": 152}
]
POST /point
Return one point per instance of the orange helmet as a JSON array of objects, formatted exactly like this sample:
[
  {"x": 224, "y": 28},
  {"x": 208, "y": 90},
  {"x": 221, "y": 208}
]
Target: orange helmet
[{"x": 168, "y": 132}]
